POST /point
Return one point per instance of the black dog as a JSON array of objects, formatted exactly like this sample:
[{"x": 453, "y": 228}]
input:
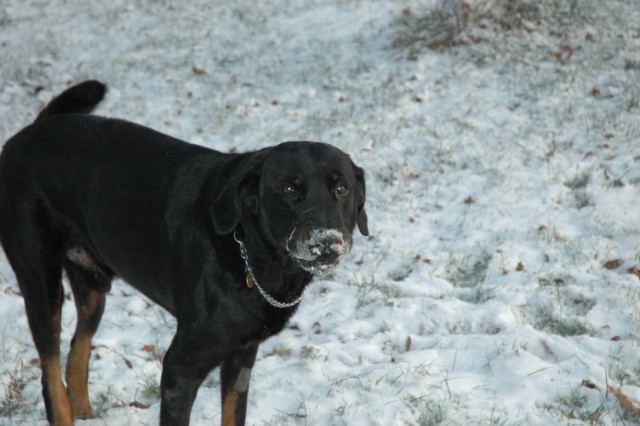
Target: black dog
[{"x": 225, "y": 242}]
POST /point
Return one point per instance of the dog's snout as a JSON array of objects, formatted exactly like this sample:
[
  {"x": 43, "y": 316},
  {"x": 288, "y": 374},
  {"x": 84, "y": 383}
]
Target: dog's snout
[{"x": 318, "y": 250}]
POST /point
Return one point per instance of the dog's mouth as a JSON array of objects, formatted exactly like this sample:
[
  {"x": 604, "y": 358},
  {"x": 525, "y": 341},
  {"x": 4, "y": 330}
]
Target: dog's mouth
[
  {"x": 318, "y": 268},
  {"x": 318, "y": 251}
]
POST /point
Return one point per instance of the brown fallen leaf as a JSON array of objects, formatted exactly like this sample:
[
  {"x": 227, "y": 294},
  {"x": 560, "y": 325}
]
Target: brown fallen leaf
[
  {"x": 140, "y": 405},
  {"x": 407, "y": 344},
  {"x": 612, "y": 264},
  {"x": 624, "y": 401},
  {"x": 148, "y": 348},
  {"x": 198, "y": 71}
]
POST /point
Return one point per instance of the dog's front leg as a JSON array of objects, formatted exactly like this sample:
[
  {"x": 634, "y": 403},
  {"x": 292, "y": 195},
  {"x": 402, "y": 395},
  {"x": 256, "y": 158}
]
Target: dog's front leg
[
  {"x": 235, "y": 374},
  {"x": 185, "y": 366}
]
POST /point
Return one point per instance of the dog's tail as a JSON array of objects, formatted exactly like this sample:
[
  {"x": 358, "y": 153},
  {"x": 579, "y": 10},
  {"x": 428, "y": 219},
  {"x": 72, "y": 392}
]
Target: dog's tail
[{"x": 81, "y": 98}]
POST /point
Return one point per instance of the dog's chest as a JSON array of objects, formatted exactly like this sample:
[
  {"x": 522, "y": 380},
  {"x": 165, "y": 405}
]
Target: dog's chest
[{"x": 271, "y": 323}]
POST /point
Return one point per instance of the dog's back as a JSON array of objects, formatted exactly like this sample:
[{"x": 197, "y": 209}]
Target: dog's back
[
  {"x": 79, "y": 99},
  {"x": 67, "y": 177}
]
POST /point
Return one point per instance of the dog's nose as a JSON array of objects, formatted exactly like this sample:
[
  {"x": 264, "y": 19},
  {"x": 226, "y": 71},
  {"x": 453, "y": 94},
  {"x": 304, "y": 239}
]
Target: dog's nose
[
  {"x": 328, "y": 248},
  {"x": 318, "y": 251}
]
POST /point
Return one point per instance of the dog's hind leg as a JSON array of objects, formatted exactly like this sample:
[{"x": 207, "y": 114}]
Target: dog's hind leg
[
  {"x": 235, "y": 374},
  {"x": 41, "y": 286},
  {"x": 89, "y": 306}
]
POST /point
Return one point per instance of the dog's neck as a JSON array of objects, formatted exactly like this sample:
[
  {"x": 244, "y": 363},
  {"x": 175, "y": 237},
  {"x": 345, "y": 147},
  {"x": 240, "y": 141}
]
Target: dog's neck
[
  {"x": 251, "y": 280},
  {"x": 291, "y": 280}
]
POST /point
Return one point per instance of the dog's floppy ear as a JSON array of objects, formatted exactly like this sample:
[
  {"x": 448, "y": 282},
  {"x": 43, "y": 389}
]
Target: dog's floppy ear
[
  {"x": 362, "y": 219},
  {"x": 238, "y": 192}
]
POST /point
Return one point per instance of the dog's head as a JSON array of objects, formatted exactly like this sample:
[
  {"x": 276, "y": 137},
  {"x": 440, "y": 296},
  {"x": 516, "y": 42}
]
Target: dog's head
[{"x": 305, "y": 197}]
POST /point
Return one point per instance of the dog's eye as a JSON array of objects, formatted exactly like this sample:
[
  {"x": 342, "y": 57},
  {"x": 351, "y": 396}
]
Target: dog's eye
[
  {"x": 342, "y": 189},
  {"x": 289, "y": 189}
]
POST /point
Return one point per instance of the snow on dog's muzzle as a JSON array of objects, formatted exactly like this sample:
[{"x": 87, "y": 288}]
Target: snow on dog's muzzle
[{"x": 318, "y": 251}]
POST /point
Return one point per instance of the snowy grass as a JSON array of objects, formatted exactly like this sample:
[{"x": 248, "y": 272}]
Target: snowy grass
[{"x": 500, "y": 284}]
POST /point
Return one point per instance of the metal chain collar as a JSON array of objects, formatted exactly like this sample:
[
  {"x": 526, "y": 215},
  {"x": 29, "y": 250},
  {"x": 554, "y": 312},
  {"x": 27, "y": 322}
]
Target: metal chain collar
[{"x": 251, "y": 279}]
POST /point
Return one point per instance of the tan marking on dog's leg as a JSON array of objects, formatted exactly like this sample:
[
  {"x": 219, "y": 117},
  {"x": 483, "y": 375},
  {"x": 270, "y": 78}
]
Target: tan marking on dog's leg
[
  {"x": 229, "y": 408},
  {"x": 78, "y": 360},
  {"x": 77, "y": 370},
  {"x": 239, "y": 390},
  {"x": 56, "y": 392}
]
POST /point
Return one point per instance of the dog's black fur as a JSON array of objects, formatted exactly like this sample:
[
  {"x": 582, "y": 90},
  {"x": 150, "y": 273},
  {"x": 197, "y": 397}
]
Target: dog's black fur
[{"x": 100, "y": 198}]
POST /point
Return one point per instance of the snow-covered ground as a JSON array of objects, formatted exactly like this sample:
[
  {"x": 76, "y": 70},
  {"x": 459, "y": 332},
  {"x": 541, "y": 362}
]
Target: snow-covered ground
[{"x": 501, "y": 283}]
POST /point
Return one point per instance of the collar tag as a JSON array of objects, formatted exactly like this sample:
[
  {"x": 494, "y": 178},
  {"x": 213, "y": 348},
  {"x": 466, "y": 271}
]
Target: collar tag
[{"x": 249, "y": 281}]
